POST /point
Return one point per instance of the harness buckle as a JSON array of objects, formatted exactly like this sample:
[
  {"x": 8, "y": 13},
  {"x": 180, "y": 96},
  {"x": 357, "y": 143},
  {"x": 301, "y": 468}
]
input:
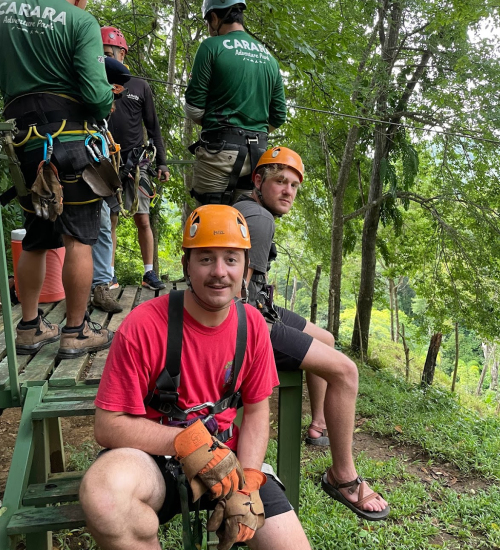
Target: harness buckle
[{"x": 253, "y": 140}]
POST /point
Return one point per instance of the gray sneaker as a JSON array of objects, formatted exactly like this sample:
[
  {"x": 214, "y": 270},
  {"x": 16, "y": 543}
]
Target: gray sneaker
[
  {"x": 104, "y": 300},
  {"x": 88, "y": 339},
  {"x": 31, "y": 338}
]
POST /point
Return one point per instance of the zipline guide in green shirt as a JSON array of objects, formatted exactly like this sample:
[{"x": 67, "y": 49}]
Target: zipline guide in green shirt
[
  {"x": 53, "y": 46},
  {"x": 238, "y": 83}
]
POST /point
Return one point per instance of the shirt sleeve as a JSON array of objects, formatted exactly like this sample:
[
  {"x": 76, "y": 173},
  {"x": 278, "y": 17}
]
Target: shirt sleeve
[
  {"x": 197, "y": 90},
  {"x": 91, "y": 73},
  {"x": 152, "y": 125},
  {"x": 277, "y": 108},
  {"x": 261, "y": 377},
  {"x": 125, "y": 379},
  {"x": 261, "y": 229}
]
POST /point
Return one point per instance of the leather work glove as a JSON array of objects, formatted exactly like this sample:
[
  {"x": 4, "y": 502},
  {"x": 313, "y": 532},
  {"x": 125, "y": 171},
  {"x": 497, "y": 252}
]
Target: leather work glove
[
  {"x": 236, "y": 518},
  {"x": 208, "y": 463},
  {"x": 46, "y": 192}
]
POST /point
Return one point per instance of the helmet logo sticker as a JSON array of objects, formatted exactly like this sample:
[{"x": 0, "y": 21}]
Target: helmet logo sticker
[
  {"x": 112, "y": 35},
  {"x": 192, "y": 230},
  {"x": 243, "y": 230},
  {"x": 275, "y": 153}
]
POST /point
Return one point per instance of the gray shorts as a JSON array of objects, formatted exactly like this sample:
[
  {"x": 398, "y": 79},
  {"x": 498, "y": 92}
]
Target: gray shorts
[{"x": 129, "y": 195}]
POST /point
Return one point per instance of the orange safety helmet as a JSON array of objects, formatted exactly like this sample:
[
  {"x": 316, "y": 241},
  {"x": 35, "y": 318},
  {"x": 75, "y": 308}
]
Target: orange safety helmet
[
  {"x": 216, "y": 225},
  {"x": 282, "y": 155},
  {"x": 111, "y": 36}
]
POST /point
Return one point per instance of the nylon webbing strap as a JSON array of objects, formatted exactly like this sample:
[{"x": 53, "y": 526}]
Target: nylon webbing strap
[
  {"x": 237, "y": 167},
  {"x": 241, "y": 346},
  {"x": 169, "y": 379}
]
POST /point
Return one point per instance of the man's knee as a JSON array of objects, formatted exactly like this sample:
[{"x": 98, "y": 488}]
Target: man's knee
[{"x": 142, "y": 221}]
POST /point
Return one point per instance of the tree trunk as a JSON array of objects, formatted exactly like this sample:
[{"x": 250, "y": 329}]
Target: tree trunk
[
  {"x": 494, "y": 373},
  {"x": 487, "y": 349},
  {"x": 314, "y": 294},
  {"x": 455, "y": 370},
  {"x": 338, "y": 193},
  {"x": 396, "y": 308},
  {"x": 391, "y": 306},
  {"x": 407, "y": 353},
  {"x": 338, "y": 233},
  {"x": 430, "y": 361}
]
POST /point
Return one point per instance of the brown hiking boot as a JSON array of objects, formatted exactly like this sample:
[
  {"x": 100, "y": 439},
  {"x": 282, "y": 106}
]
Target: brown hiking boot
[
  {"x": 104, "y": 300},
  {"x": 88, "y": 338},
  {"x": 30, "y": 338}
]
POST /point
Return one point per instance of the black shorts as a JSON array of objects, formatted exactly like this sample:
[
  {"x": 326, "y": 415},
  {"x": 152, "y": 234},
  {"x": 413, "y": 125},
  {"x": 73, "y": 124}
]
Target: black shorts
[
  {"x": 290, "y": 342},
  {"x": 272, "y": 495},
  {"x": 81, "y": 221}
]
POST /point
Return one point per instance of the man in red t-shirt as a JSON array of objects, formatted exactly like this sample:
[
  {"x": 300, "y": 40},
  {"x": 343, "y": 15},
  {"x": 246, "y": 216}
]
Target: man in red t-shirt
[{"x": 132, "y": 487}]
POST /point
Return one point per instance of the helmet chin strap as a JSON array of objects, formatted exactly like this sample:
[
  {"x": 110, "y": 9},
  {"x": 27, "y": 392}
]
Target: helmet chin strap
[{"x": 222, "y": 21}]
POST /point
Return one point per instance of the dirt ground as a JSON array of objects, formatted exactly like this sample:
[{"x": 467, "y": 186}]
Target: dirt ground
[{"x": 78, "y": 430}]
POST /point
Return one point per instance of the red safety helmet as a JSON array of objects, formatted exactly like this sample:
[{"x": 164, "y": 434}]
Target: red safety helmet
[{"x": 111, "y": 36}]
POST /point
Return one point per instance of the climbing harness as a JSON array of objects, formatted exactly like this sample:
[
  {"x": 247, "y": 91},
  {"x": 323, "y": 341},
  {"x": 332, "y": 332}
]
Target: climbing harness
[
  {"x": 165, "y": 395},
  {"x": 232, "y": 139}
]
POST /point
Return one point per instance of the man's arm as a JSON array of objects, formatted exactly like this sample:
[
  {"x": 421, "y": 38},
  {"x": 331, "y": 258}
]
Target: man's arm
[
  {"x": 254, "y": 434},
  {"x": 89, "y": 65},
  {"x": 117, "y": 429},
  {"x": 199, "y": 84},
  {"x": 277, "y": 107},
  {"x": 152, "y": 125}
]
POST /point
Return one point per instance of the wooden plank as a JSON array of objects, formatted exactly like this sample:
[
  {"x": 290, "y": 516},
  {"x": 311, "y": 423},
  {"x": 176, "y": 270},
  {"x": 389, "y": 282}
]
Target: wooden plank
[
  {"x": 95, "y": 373},
  {"x": 63, "y": 490},
  {"x": 69, "y": 371},
  {"x": 126, "y": 301},
  {"x": 41, "y": 365},
  {"x": 146, "y": 294},
  {"x": 63, "y": 409},
  {"x": 22, "y": 361},
  {"x": 75, "y": 393},
  {"x": 52, "y": 518}
]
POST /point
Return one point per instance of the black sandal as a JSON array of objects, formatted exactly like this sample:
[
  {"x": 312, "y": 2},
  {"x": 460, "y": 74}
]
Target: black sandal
[
  {"x": 322, "y": 441},
  {"x": 333, "y": 491}
]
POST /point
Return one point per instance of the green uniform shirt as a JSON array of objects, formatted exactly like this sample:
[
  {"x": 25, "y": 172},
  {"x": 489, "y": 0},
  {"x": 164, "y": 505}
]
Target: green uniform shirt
[
  {"x": 53, "y": 46},
  {"x": 238, "y": 83}
]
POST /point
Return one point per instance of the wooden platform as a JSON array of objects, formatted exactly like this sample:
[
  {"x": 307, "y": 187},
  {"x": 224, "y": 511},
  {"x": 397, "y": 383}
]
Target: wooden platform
[{"x": 67, "y": 373}]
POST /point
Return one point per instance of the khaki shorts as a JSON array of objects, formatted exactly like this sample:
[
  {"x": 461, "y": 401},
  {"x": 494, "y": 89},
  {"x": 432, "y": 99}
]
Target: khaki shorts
[
  {"x": 211, "y": 172},
  {"x": 128, "y": 195}
]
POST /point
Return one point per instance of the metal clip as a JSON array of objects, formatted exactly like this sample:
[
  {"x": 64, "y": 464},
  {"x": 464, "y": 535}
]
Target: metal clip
[{"x": 48, "y": 148}]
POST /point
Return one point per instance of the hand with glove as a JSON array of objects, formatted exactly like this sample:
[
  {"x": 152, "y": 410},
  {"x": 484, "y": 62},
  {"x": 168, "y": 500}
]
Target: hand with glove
[
  {"x": 208, "y": 463},
  {"x": 237, "y": 518}
]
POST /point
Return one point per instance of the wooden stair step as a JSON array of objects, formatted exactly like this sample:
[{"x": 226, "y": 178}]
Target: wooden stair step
[
  {"x": 74, "y": 393},
  {"x": 55, "y": 490},
  {"x": 63, "y": 409},
  {"x": 51, "y": 518}
]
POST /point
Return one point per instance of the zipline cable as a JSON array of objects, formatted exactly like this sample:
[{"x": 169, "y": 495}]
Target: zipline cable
[{"x": 358, "y": 117}]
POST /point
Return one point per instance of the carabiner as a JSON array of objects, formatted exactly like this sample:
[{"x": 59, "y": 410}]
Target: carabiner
[
  {"x": 48, "y": 148},
  {"x": 95, "y": 154}
]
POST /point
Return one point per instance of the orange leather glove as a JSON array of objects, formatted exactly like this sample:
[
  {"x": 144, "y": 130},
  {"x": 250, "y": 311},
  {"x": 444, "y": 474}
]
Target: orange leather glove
[
  {"x": 208, "y": 463},
  {"x": 237, "y": 518}
]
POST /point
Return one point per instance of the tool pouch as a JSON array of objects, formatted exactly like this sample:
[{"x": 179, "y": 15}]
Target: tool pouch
[{"x": 47, "y": 192}]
